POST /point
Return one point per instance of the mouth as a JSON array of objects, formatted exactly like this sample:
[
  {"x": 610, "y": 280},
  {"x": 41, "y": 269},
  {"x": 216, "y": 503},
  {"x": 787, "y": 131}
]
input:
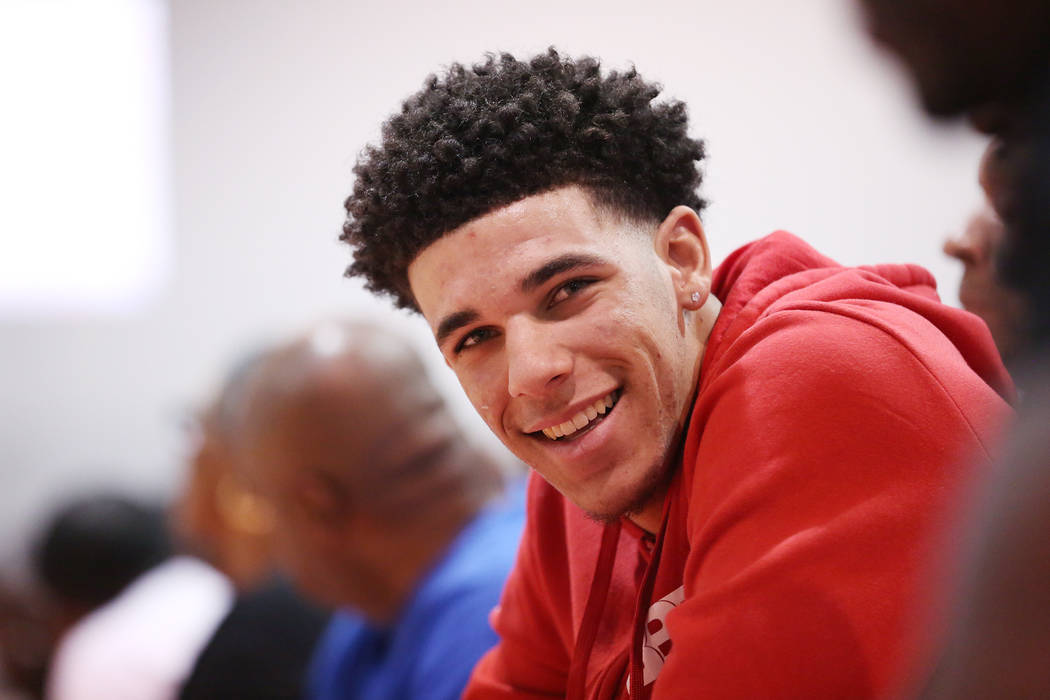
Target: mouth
[{"x": 583, "y": 421}]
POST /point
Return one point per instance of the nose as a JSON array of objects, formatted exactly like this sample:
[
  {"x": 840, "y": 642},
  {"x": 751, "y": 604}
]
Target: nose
[{"x": 536, "y": 362}]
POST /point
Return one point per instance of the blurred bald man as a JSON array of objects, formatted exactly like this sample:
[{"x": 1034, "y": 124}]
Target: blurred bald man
[
  {"x": 262, "y": 647},
  {"x": 382, "y": 508}
]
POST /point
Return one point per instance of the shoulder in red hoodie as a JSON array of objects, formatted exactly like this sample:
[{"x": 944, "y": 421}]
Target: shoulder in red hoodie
[{"x": 840, "y": 414}]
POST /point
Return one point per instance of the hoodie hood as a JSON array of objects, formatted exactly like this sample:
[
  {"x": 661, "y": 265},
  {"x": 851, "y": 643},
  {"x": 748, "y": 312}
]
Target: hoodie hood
[{"x": 781, "y": 272}]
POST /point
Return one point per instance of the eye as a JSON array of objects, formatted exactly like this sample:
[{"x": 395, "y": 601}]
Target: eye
[
  {"x": 569, "y": 289},
  {"x": 474, "y": 338}
]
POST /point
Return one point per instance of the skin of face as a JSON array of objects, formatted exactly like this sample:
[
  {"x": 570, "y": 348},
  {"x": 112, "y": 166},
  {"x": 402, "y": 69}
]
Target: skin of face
[
  {"x": 317, "y": 539},
  {"x": 980, "y": 290},
  {"x": 549, "y": 305}
]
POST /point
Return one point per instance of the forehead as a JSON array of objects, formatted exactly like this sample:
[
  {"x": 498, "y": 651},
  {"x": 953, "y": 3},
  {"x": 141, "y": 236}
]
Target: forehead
[{"x": 487, "y": 258}]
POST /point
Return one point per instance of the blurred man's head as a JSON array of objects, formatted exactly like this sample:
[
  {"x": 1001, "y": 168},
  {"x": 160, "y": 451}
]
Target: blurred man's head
[
  {"x": 93, "y": 547},
  {"x": 975, "y": 56},
  {"x": 366, "y": 472},
  {"x": 216, "y": 516},
  {"x": 542, "y": 215}
]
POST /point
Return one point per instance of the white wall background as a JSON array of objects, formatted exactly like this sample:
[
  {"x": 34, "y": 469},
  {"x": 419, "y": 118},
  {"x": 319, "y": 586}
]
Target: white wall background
[{"x": 807, "y": 127}]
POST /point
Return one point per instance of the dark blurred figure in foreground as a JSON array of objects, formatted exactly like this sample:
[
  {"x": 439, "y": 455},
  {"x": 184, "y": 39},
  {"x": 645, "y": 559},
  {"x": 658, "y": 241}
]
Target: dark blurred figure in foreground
[
  {"x": 131, "y": 617},
  {"x": 261, "y": 648},
  {"x": 381, "y": 508},
  {"x": 990, "y": 60},
  {"x": 26, "y": 641}
]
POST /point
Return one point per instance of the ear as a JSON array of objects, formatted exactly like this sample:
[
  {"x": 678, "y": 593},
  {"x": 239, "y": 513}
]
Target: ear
[{"x": 681, "y": 244}]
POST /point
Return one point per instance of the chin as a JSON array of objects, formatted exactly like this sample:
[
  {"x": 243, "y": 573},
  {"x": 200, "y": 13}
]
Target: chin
[{"x": 634, "y": 498}]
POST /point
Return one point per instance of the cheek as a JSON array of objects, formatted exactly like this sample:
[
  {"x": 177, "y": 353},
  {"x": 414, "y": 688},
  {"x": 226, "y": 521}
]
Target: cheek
[
  {"x": 486, "y": 388},
  {"x": 656, "y": 337},
  {"x": 650, "y": 324}
]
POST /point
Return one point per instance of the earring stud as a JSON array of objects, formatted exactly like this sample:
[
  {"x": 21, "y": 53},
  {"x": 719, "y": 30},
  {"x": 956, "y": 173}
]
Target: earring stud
[{"x": 695, "y": 297}]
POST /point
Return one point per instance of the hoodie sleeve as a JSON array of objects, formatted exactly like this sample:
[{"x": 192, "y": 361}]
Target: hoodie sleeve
[{"x": 828, "y": 455}]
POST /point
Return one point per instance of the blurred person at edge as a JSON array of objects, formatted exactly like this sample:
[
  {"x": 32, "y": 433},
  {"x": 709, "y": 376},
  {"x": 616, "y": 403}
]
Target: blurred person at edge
[
  {"x": 135, "y": 615},
  {"x": 990, "y": 61},
  {"x": 382, "y": 509},
  {"x": 981, "y": 290},
  {"x": 262, "y": 646},
  {"x": 741, "y": 467},
  {"x": 27, "y": 639}
]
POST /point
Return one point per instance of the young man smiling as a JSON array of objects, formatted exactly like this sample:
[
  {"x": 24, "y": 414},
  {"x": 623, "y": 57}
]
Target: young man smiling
[
  {"x": 741, "y": 467},
  {"x": 599, "y": 410}
]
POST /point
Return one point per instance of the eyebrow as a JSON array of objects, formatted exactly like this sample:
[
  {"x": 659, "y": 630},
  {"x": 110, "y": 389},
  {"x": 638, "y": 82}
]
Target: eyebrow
[
  {"x": 570, "y": 261},
  {"x": 552, "y": 268},
  {"x": 453, "y": 322}
]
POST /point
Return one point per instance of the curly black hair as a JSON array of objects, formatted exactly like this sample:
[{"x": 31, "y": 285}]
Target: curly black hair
[{"x": 481, "y": 137}]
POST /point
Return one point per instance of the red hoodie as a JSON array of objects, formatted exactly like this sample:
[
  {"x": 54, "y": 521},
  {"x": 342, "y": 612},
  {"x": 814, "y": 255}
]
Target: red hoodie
[{"x": 835, "y": 423}]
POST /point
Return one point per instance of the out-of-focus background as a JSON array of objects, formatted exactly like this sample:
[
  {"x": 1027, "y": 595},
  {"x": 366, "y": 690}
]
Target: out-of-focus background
[{"x": 172, "y": 173}]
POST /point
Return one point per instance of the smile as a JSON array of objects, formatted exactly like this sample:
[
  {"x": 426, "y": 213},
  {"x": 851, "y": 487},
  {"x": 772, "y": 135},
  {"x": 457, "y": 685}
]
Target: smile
[{"x": 583, "y": 419}]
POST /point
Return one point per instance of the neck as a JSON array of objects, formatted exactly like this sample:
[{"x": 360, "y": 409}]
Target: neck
[
  {"x": 417, "y": 552},
  {"x": 650, "y": 517},
  {"x": 706, "y": 316},
  {"x": 422, "y": 539}
]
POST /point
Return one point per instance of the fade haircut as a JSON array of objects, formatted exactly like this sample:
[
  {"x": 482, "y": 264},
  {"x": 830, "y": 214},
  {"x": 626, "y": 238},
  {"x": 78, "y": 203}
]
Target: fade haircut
[{"x": 479, "y": 138}]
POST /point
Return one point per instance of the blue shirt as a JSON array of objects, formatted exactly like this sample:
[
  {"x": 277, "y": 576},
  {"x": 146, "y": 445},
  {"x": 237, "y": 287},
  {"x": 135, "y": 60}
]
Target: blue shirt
[{"x": 443, "y": 630}]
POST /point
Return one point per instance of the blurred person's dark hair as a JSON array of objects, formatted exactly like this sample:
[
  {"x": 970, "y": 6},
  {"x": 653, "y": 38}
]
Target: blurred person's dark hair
[
  {"x": 478, "y": 138},
  {"x": 979, "y": 57},
  {"x": 94, "y": 546}
]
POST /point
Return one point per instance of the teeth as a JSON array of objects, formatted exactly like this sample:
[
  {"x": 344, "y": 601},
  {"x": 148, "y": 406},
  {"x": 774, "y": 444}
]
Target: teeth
[{"x": 581, "y": 419}]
